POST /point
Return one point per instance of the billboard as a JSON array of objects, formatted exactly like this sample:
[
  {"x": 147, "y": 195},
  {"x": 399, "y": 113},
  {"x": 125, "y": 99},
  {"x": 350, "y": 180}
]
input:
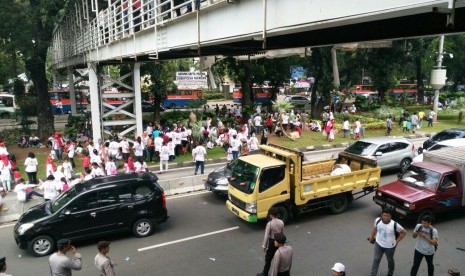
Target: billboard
[
  {"x": 191, "y": 80},
  {"x": 299, "y": 77}
]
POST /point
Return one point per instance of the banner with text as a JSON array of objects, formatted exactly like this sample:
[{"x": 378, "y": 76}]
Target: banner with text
[{"x": 191, "y": 80}]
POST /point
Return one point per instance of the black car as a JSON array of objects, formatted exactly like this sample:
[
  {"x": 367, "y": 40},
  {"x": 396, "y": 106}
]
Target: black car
[
  {"x": 150, "y": 107},
  {"x": 447, "y": 134},
  {"x": 217, "y": 180},
  {"x": 100, "y": 206}
]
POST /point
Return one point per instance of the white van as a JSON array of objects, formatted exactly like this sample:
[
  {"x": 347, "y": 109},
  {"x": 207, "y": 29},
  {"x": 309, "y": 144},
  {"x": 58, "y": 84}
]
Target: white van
[
  {"x": 452, "y": 143},
  {"x": 7, "y": 106}
]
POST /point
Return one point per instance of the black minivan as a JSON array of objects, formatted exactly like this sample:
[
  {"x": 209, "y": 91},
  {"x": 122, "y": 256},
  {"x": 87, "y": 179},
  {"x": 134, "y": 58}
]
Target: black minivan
[{"x": 100, "y": 206}]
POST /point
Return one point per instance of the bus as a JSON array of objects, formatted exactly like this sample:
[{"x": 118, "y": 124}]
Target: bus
[
  {"x": 64, "y": 97},
  {"x": 7, "y": 105},
  {"x": 181, "y": 98},
  {"x": 262, "y": 94},
  {"x": 410, "y": 89},
  {"x": 364, "y": 90}
]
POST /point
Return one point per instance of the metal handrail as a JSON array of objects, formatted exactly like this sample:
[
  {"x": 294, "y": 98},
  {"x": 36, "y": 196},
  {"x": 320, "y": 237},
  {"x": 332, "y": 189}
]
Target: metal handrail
[{"x": 82, "y": 32}]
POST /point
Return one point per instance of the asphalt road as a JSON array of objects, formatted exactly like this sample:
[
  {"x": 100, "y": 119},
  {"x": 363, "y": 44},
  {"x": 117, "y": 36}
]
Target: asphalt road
[{"x": 203, "y": 238}]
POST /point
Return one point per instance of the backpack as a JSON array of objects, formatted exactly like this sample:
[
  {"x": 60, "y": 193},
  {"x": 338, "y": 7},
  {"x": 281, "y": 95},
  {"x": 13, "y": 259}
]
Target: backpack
[
  {"x": 395, "y": 228},
  {"x": 430, "y": 236}
]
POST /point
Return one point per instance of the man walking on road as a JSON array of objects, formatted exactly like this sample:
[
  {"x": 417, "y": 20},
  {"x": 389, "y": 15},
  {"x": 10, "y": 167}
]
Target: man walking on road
[
  {"x": 273, "y": 227},
  {"x": 388, "y": 234},
  {"x": 282, "y": 260},
  {"x": 102, "y": 261},
  {"x": 426, "y": 245},
  {"x": 200, "y": 155},
  {"x": 60, "y": 264}
]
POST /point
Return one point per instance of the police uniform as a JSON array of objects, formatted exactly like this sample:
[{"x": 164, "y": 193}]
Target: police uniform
[
  {"x": 282, "y": 261},
  {"x": 273, "y": 227}
]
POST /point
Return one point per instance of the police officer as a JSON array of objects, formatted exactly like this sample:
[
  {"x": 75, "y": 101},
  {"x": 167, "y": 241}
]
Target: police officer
[
  {"x": 3, "y": 267},
  {"x": 282, "y": 260},
  {"x": 273, "y": 227},
  {"x": 102, "y": 260}
]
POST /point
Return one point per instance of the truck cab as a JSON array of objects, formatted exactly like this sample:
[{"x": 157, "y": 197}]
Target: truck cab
[
  {"x": 260, "y": 179},
  {"x": 426, "y": 188}
]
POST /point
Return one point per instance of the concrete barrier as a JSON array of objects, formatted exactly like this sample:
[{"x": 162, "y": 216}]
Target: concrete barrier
[{"x": 183, "y": 185}]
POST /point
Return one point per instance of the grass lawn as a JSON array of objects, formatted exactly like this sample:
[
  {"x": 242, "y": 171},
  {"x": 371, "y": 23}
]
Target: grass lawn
[{"x": 446, "y": 120}]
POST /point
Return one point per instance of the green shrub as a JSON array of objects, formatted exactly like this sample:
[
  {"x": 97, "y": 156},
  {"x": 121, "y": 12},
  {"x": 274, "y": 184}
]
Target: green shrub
[{"x": 214, "y": 94}]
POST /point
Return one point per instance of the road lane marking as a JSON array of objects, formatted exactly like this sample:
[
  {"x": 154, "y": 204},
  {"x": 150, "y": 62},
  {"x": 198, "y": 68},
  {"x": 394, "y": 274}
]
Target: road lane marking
[
  {"x": 188, "y": 238},
  {"x": 7, "y": 225},
  {"x": 187, "y": 195}
]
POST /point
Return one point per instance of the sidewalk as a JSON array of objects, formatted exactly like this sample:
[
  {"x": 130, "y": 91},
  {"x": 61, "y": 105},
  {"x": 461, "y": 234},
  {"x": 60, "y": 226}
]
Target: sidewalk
[{"x": 173, "y": 186}]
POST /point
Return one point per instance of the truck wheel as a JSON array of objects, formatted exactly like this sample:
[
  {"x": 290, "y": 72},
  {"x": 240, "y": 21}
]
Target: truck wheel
[
  {"x": 41, "y": 246},
  {"x": 283, "y": 214},
  {"x": 427, "y": 212},
  {"x": 404, "y": 164},
  {"x": 339, "y": 203}
]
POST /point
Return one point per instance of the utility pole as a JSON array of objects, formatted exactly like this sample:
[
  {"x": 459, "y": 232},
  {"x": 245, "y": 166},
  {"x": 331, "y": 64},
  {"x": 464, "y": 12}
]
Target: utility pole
[{"x": 438, "y": 77}]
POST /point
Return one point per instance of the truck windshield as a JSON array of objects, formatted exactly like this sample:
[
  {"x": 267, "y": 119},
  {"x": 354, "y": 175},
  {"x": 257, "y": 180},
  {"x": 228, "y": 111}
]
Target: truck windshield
[
  {"x": 244, "y": 176},
  {"x": 421, "y": 177}
]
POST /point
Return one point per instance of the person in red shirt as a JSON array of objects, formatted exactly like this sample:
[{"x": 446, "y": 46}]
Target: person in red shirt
[
  {"x": 86, "y": 161},
  {"x": 269, "y": 123}
]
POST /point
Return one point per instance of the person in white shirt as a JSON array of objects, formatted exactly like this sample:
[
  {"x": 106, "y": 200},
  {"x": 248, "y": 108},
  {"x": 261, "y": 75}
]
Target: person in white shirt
[
  {"x": 184, "y": 140},
  {"x": 285, "y": 121},
  {"x": 31, "y": 167},
  {"x": 149, "y": 128},
  {"x": 345, "y": 127},
  {"x": 171, "y": 147},
  {"x": 138, "y": 166},
  {"x": 113, "y": 149},
  {"x": 138, "y": 148},
  {"x": 124, "y": 145},
  {"x": 49, "y": 166},
  {"x": 21, "y": 190},
  {"x": 96, "y": 170},
  {"x": 5, "y": 176},
  {"x": 253, "y": 142},
  {"x": 235, "y": 145},
  {"x": 67, "y": 168},
  {"x": 71, "y": 149},
  {"x": 383, "y": 236},
  {"x": 200, "y": 155},
  {"x": 86, "y": 175},
  {"x": 110, "y": 167},
  {"x": 58, "y": 174},
  {"x": 232, "y": 131},
  {"x": 158, "y": 144},
  {"x": 177, "y": 142},
  {"x": 95, "y": 157},
  {"x": 164, "y": 157},
  {"x": 51, "y": 188}
]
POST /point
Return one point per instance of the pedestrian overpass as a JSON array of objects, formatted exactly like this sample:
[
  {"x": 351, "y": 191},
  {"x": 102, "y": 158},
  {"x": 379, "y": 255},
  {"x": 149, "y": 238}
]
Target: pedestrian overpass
[{"x": 101, "y": 32}]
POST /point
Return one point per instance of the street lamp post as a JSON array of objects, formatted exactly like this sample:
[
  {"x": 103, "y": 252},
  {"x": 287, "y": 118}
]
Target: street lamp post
[{"x": 438, "y": 77}]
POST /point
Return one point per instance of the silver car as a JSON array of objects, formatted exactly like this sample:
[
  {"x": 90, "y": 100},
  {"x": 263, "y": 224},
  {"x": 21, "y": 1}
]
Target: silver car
[
  {"x": 391, "y": 153},
  {"x": 299, "y": 102}
]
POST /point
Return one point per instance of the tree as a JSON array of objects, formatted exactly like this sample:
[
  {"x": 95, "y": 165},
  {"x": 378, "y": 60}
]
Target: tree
[
  {"x": 161, "y": 80},
  {"x": 321, "y": 66},
  {"x": 27, "y": 26},
  {"x": 455, "y": 45}
]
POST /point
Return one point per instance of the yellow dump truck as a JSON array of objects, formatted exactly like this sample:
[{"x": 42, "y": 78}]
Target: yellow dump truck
[{"x": 278, "y": 177}]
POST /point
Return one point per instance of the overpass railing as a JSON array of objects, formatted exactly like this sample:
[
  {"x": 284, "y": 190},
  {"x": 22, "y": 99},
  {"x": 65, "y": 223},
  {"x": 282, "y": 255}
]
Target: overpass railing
[{"x": 88, "y": 27}]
